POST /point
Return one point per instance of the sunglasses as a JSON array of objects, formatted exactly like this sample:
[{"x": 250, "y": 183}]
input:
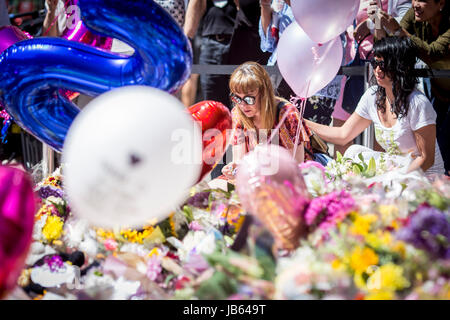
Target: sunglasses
[
  {"x": 377, "y": 63},
  {"x": 250, "y": 100}
]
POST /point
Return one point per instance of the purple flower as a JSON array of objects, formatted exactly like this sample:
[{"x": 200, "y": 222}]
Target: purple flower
[
  {"x": 54, "y": 262},
  {"x": 48, "y": 191},
  {"x": 429, "y": 230},
  {"x": 199, "y": 200},
  {"x": 325, "y": 211}
]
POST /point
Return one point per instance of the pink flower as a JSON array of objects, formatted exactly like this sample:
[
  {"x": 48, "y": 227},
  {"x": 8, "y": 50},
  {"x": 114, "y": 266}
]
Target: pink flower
[
  {"x": 325, "y": 211},
  {"x": 195, "y": 226},
  {"x": 154, "y": 268},
  {"x": 110, "y": 244}
]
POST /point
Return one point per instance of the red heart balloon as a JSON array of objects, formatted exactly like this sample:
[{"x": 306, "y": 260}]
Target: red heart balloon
[
  {"x": 17, "y": 208},
  {"x": 216, "y": 123}
]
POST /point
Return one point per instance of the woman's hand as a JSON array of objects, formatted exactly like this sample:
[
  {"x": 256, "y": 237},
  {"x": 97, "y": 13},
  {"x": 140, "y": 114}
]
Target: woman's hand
[
  {"x": 372, "y": 10},
  {"x": 361, "y": 31},
  {"x": 389, "y": 22},
  {"x": 229, "y": 170},
  {"x": 52, "y": 5}
]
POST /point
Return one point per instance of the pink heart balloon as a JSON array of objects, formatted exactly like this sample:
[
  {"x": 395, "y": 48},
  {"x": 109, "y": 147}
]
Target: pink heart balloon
[
  {"x": 271, "y": 187},
  {"x": 306, "y": 65},
  {"x": 324, "y": 20},
  {"x": 17, "y": 208}
]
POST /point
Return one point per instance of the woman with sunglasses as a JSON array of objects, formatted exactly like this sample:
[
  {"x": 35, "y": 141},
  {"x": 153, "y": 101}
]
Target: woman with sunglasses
[
  {"x": 427, "y": 24},
  {"x": 257, "y": 111},
  {"x": 404, "y": 119}
]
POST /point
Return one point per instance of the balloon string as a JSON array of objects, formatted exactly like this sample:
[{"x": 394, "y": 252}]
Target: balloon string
[
  {"x": 300, "y": 123},
  {"x": 56, "y": 18}
]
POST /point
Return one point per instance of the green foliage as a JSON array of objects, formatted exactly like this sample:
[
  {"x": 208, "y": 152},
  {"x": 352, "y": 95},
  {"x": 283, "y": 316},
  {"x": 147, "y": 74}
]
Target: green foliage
[{"x": 218, "y": 287}]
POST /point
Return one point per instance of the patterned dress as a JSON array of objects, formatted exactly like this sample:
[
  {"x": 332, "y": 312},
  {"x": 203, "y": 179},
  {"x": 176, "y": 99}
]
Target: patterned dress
[{"x": 286, "y": 135}]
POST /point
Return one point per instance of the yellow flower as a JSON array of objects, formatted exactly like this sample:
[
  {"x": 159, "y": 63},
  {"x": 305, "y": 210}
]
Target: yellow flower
[
  {"x": 388, "y": 277},
  {"x": 135, "y": 236},
  {"x": 172, "y": 225},
  {"x": 239, "y": 223},
  {"x": 53, "y": 228},
  {"x": 400, "y": 248},
  {"x": 388, "y": 213},
  {"x": 395, "y": 225},
  {"x": 359, "y": 281},
  {"x": 105, "y": 234},
  {"x": 361, "y": 225},
  {"x": 44, "y": 210},
  {"x": 155, "y": 251},
  {"x": 361, "y": 259},
  {"x": 379, "y": 239},
  {"x": 380, "y": 295},
  {"x": 336, "y": 264}
]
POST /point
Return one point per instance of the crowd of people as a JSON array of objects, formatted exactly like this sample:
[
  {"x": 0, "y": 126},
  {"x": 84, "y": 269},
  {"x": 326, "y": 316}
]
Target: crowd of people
[{"x": 390, "y": 34}]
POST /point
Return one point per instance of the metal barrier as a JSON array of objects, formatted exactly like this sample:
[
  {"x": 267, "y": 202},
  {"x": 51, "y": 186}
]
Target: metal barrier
[{"x": 32, "y": 155}]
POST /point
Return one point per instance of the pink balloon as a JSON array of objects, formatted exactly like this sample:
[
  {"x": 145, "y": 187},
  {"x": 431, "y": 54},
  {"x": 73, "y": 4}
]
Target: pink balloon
[
  {"x": 324, "y": 20},
  {"x": 305, "y": 65},
  {"x": 271, "y": 187},
  {"x": 17, "y": 208},
  {"x": 10, "y": 35}
]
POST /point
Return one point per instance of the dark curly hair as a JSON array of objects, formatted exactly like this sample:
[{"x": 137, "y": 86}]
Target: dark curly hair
[{"x": 399, "y": 56}]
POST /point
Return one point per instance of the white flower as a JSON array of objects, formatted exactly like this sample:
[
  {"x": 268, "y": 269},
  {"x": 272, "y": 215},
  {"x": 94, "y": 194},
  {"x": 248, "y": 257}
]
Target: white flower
[
  {"x": 75, "y": 232},
  {"x": 37, "y": 228},
  {"x": 135, "y": 248},
  {"x": 200, "y": 242},
  {"x": 124, "y": 289},
  {"x": 89, "y": 246},
  {"x": 55, "y": 200},
  {"x": 93, "y": 280}
]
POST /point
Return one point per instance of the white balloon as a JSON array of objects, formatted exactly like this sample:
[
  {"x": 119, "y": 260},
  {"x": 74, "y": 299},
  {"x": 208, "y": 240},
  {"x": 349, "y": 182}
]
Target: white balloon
[{"x": 130, "y": 157}]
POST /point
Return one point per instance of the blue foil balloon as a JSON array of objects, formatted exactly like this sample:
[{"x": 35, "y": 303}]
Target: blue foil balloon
[{"x": 33, "y": 71}]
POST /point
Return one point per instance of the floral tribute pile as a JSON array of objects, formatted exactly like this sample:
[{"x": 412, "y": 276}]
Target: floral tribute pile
[{"x": 369, "y": 237}]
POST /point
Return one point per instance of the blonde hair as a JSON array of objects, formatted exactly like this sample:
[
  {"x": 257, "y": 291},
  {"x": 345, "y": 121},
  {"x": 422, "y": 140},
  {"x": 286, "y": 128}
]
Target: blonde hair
[{"x": 251, "y": 76}]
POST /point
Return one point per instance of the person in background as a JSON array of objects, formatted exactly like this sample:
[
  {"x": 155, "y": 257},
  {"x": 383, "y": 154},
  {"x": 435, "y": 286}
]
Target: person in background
[
  {"x": 4, "y": 17},
  {"x": 55, "y": 18},
  {"x": 363, "y": 35},
  {"x": 217, "y": 28},
  {"x": 404, "y": 119},
  {"x": 276, "y": 16},
  {"x": 427, "y": 24},
  {"x": 257, "y": 111},
  {"x": 245, "y": 42}
]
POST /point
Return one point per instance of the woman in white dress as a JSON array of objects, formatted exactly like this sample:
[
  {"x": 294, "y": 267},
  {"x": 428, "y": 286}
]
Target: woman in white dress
[{"x": 404, "y": 119}]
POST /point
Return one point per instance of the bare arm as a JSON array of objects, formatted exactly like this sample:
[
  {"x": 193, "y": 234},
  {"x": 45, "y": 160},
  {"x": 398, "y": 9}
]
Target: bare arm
[
  {"x": 300, "y": 153},
  {"x": 195, "y": 11},
  {"x": 50, "y": 17},
  {"x": 426, "y": 141},
  {"x": 266, "y": 14},
  {"x": 341, "y": 135},
  {"x": 238, "y": 154}
]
